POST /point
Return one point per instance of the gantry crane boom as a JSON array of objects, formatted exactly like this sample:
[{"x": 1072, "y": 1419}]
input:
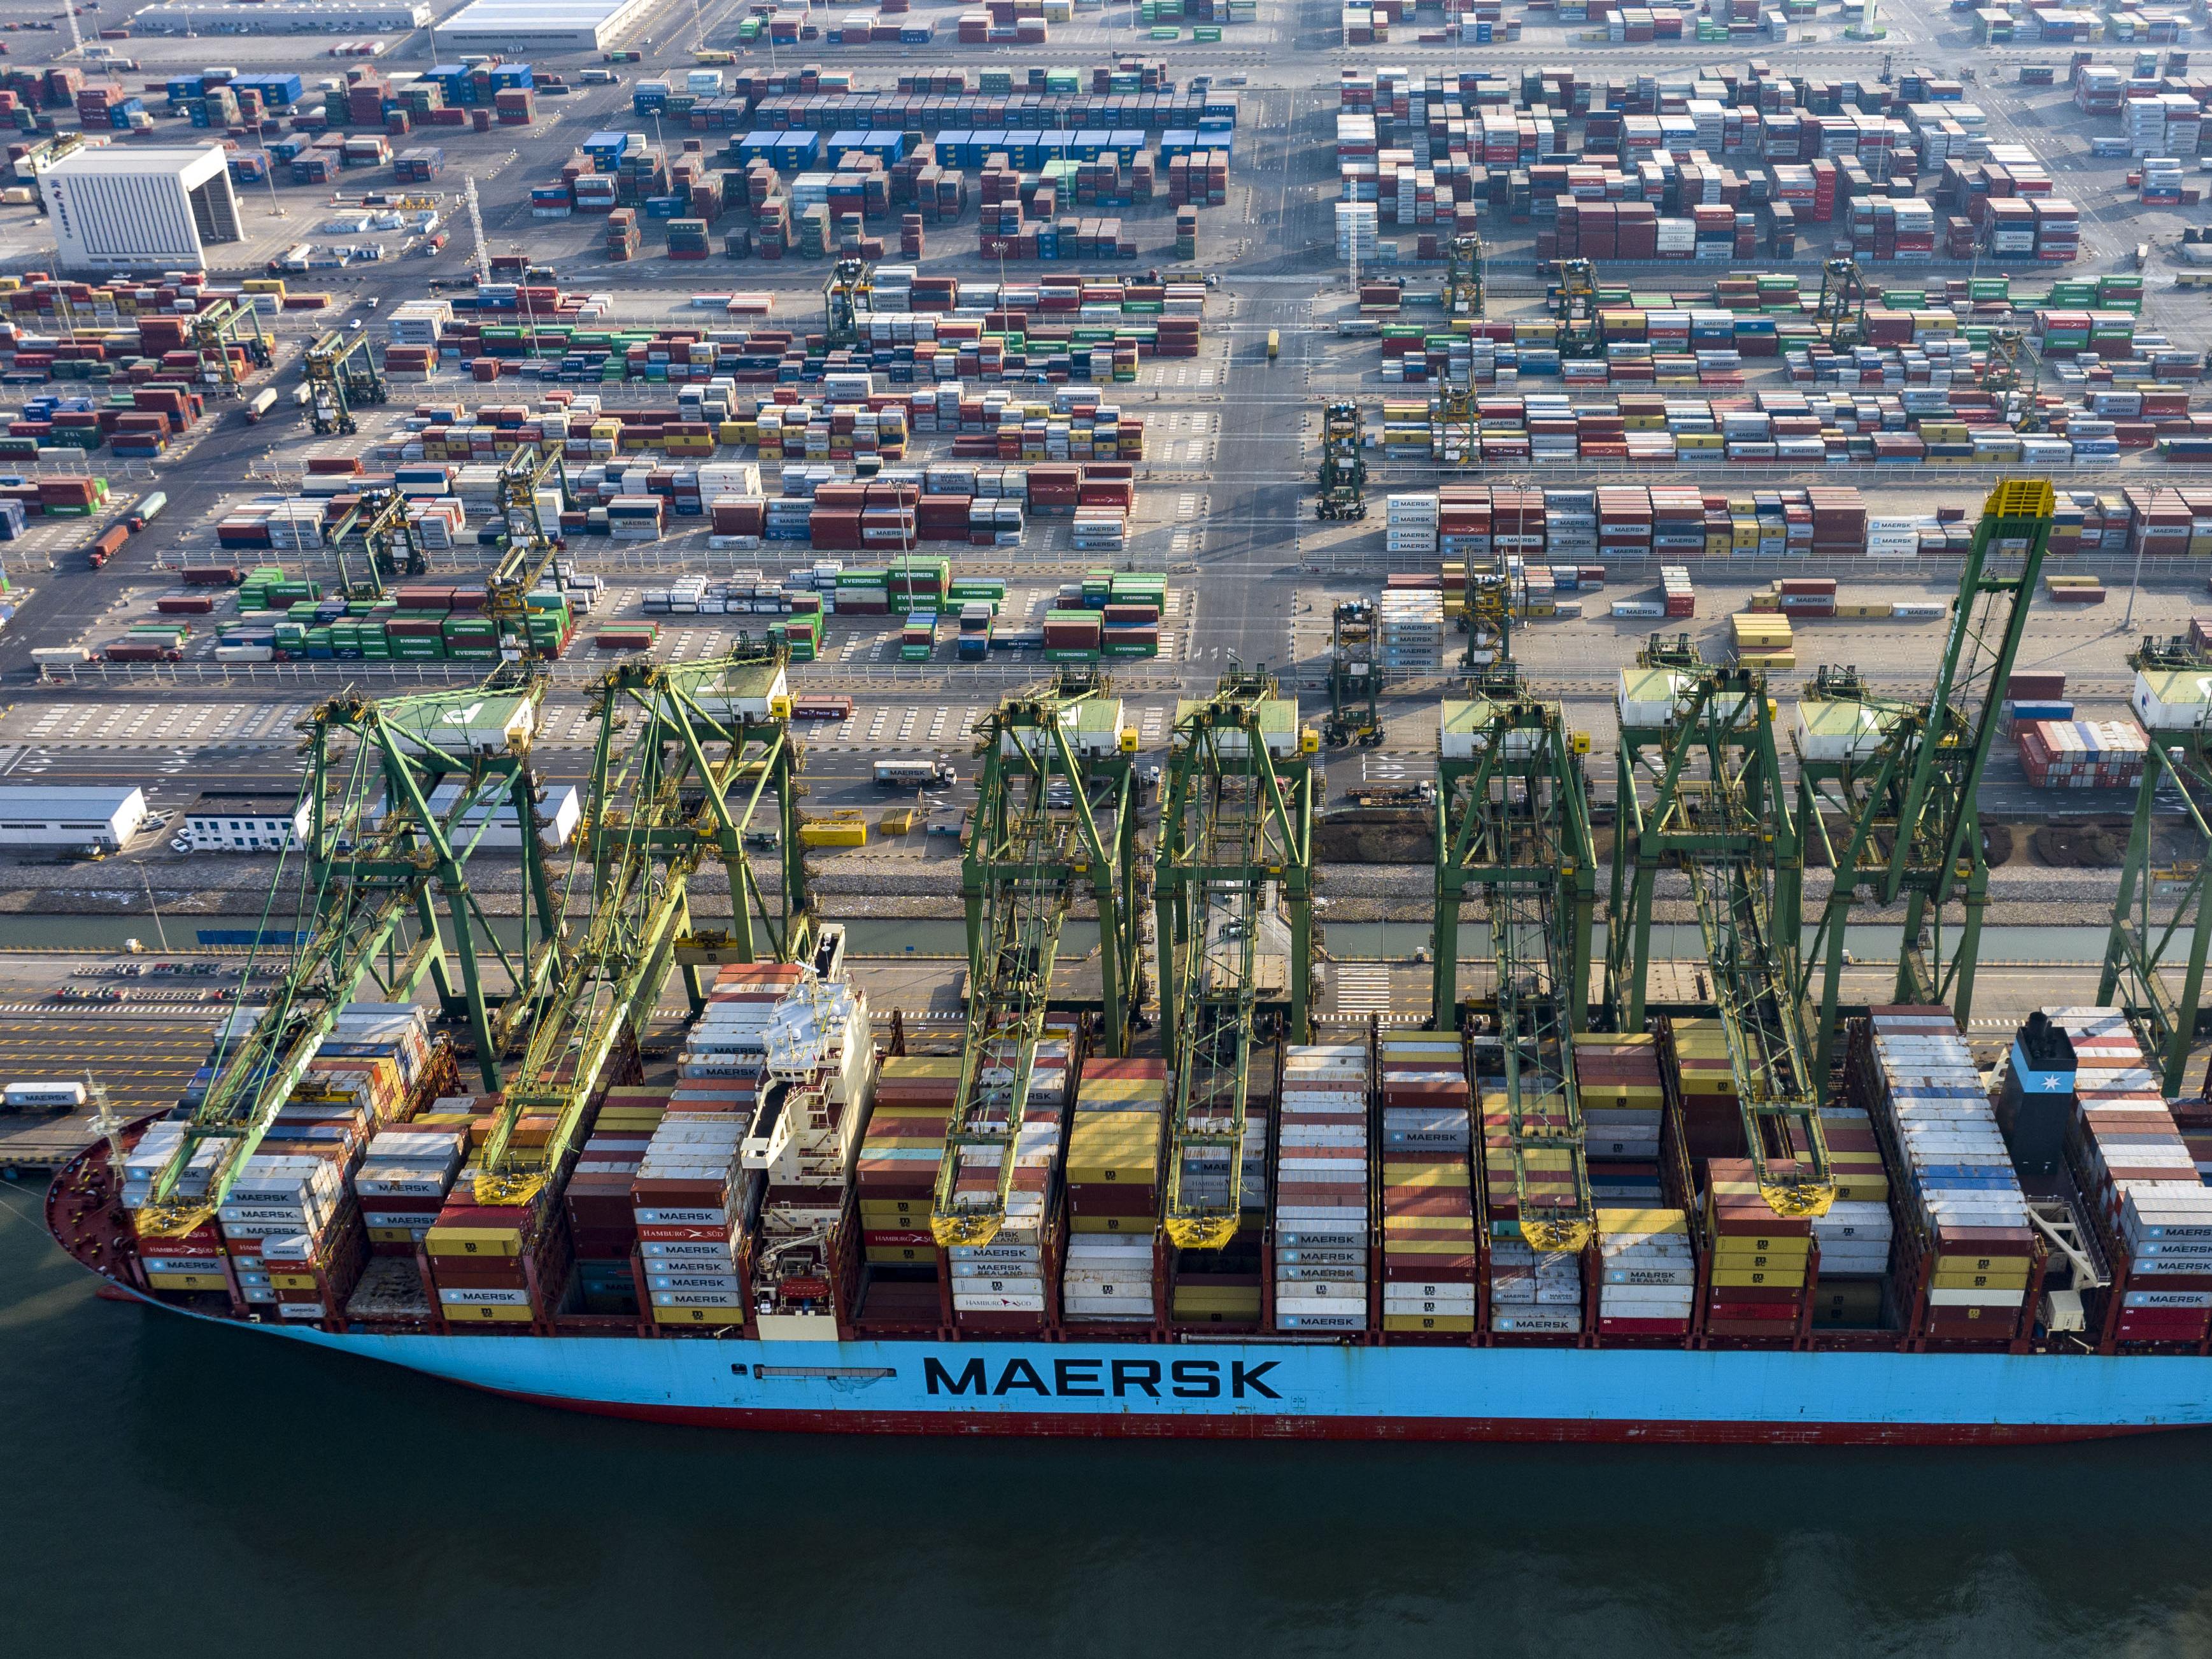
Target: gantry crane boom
[
  {"x": 1904, "y": 776},
  {"x": 1700, "y": 739},
  {"x": 1236, "y": 830},
  {"x": 1513, "y": 824},
  {"x": 400, "y": 794},
  {"x": 2163, "y": 915},
  {"x": 704, "y": 744},
  {"x": 1055, "y": 764}
]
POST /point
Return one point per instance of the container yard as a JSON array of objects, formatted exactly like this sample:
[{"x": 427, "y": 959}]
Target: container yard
[{"x": 1194, "y": 720}]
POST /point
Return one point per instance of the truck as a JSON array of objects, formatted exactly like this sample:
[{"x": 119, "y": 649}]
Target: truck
[
  {"x": 42, "y": 1095},
  {"x": 108, "y": 544},
  {"x": 1379, "y": 797},
  {"x": 262, "y": 402},
  {"x": 915, "y": 774},
  {"x": 147, "y": 510}
]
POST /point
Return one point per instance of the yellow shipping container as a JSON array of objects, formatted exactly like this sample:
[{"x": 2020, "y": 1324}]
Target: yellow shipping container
[
  {"x": 1426, "y": 1175},
  {"x": 472, "y": 1241},
  {"x": 187, "y": 1281},
  {"x": 1428, "y": 1321},
  {"x": 1144, "y": 1226},
  {"x": 1642, "y": 1221}
]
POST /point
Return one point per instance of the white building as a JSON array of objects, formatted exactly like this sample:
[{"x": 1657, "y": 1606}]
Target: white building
[
  {"x": 241, "y": 821},
  {"x": 124, "y": 208},
  {"x": 292, "y": 17},
  {"x": 559, "y": 813},
  {"x": 90, "y": 815},
  {"x": 516, "y": 28}
]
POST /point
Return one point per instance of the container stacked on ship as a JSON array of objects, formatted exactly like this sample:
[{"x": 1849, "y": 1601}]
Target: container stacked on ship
[
  {"x": 1321, "y": 1190},
  {"x": 1965, "y": 1259}
]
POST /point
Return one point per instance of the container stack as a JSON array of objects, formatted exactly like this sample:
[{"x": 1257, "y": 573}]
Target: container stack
[
  {"x": 402, "y": 1185},
  {"x": 2082, "y": 754},
  {"x": 1623, "y": 1100},
  {"x": 1680, "y": 598},
  {"x": 1762, "y": 1262},
  {"x": 1412, "y": 630},
  {"x": 1912, "y": 1072},
  {"x": 1114, "y": 1193},
  {"x": 687, "y": 1202},
  {"x": 1429, "y": 1255},
  {"x": 1533, "y": 1293},
  {"x": 602, "y": 1220},
  {"x": 999, "y": 1286},
  {"x": 1223, "y": 1287},
  {"x": 2136, "y": 1172},
  {"x": 1322, "y": 1214},
  {"x": 1712, "y": 1116},
  {"x": 1854, "y": 1233},
  {"x": 294, "y": 1234},
  {"x": 895, "y": 1179},
  {"x": 1649, "y": 1272}
]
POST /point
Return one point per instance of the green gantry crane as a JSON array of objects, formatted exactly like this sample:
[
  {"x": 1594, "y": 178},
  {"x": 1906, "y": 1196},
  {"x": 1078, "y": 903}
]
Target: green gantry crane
[
  {"x": 2162, "y": 917},
  {"x": 1463, "y": 293},
  {"x": 222, "y": 325},
  {"x": 1901, "y": 778},
  {"x": 400, "y": 794},
  {"x": 848, "y": 301},
  {"x": 1233, "y": 882},
  {"x": 1055, "y": 760},
  {"x": 1700, "y": 740},
  {"x": 705, "y": 749},
  {"x": 1839, "y": 314},
  {"x": 1573, "y": 300},
  {"x": 526, "y": 473},
  {"x": 1513, "y": 825},
  {"x": 377, "y": 527}
]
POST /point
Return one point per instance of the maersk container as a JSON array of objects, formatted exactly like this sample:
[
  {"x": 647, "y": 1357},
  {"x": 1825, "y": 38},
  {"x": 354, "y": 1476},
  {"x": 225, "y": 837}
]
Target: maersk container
[{"x": 43, "y": 1096}]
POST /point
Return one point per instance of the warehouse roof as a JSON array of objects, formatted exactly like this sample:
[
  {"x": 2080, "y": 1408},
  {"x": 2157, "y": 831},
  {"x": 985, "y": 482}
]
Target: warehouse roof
[
  {"x": 243, "y": 803},
  {"x": 104, "y": 797},
  {"x": 135, "y": 160}
]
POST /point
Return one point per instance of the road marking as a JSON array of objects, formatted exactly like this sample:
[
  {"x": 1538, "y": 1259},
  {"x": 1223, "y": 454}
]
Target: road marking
[{"x": 1362, "y": 988}]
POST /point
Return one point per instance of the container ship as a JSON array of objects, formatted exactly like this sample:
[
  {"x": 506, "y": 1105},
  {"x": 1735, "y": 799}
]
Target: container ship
[
  {"x": 1753, "y": 1210},
  {"x": 751, "y": 1244}
]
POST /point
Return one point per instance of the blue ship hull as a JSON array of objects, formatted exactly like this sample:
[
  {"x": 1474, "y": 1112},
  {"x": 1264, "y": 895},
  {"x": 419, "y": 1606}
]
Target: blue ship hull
[{"x": 1261, "y": 1389}]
